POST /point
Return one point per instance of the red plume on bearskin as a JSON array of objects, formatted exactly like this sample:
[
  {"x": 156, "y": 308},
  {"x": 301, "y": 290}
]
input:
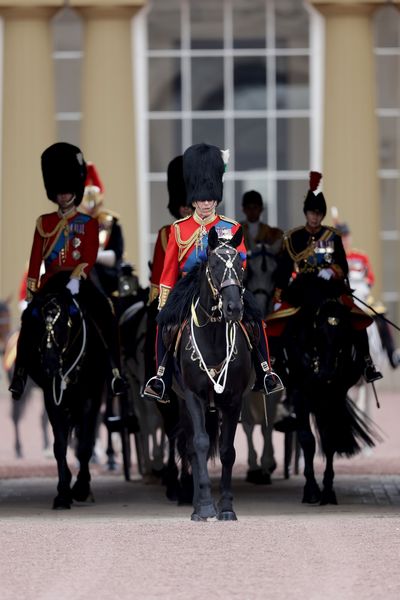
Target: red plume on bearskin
[
  {"x": 93, "y": 177},
  {"x": 315, "y": 178}
]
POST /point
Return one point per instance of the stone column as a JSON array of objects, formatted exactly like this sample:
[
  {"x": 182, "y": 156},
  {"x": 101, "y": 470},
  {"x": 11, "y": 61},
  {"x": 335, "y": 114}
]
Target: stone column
[
  {"x": 351, "y": 143},
  {"x": 28, "y": 126},
  {"x": 108, "y": 131}
]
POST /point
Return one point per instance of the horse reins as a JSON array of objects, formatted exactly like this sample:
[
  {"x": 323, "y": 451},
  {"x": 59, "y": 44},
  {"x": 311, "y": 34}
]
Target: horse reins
[
  {"x": 64, "y": 377},
  {"x": 219, "y": 383}
]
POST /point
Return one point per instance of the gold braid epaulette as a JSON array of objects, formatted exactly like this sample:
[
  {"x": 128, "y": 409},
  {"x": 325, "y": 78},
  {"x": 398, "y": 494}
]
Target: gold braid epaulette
[
  {"x": 185, "y": 245},
  {"x": 223, "y": 218},
  {"x": 309, "y": 250},
  {"x": 46, "y": 235}
]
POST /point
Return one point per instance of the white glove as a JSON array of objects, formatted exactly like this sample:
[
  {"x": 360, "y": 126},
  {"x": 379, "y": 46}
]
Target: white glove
[
  {"x": 106, "y": 258},
  {"x": 73, "y": 286},
  {"x": 277, "y": 306},
  {"x": 326, "y": 274}
]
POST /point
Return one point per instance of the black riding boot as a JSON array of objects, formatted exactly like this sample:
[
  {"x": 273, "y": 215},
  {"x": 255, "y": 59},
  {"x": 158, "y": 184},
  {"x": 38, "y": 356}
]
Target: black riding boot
[
  {"x": 100, "y": 311},
  {"x": 18, "y": 382},
  {"x": 267, "y": 381},
  {"x": 20, "y": 375},
  {"x": 157, "y": 387},
  {"x": 362, "y": 348}
]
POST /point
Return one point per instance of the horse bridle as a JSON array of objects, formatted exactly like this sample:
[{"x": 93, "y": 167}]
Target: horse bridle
[
  {"x": 50, "y": 336},
  {"x": 230, "y": 275},
  {"x": 50, "y": 323}
]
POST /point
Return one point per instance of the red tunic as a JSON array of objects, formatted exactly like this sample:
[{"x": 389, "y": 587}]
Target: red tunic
[
  {"x": 158, "y": 260},
  {"x": 64, "y": 244},
  {"x": 358, "y": 261},
  {"x": 187, "y": 246}
]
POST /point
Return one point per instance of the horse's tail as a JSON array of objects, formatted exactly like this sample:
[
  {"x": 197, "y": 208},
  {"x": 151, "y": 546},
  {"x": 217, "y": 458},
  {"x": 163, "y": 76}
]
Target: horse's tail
[
  {"x": 212, "y": 428},
  {"x": 347, "y": 429}
]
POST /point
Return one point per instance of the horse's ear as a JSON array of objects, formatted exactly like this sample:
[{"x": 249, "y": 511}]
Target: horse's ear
[
  {"x": 212, "y": 238},
  {"x": 236, "y": 240}
]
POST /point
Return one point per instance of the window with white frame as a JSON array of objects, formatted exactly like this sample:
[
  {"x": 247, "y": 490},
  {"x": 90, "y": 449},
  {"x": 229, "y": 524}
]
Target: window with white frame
[
  {"x": 234, "y": 73},
  {"x": 387, "y": 54},
  {"x": 67, "y": 30}
]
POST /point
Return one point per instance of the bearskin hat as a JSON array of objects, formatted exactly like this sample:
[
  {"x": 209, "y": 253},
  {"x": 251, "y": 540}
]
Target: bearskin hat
[
  {"x": 64, "y": 170},
  {"x": 252, "y": 197},
  {"x": 315, "y": 201},
  {"x": 176, "y": 186},
  {"x": 203, "y": 170}
]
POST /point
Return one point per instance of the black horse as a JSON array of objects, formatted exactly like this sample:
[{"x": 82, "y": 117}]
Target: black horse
[
  {"x": 320, "y": 364},
  {"x": 68, "y": 361},
  {"x": 213, "y": 366}
]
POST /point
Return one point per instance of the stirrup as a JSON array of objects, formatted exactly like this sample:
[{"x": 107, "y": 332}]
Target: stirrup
[
  {"x": 272, "y": 383},
  {"x": 150, "y": 392},
  {"x": 118, "y": 384}
]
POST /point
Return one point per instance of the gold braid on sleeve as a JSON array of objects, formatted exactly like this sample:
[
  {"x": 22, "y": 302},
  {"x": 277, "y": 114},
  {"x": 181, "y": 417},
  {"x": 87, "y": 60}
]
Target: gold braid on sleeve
[
  {"x": 31, "y": 288},
  {"x": 154, "y": 291},
  {"x": 164, "y": 293}
]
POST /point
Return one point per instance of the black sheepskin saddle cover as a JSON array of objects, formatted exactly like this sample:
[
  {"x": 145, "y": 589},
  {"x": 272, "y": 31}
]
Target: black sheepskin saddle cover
[{"x": 177, "y": 307}]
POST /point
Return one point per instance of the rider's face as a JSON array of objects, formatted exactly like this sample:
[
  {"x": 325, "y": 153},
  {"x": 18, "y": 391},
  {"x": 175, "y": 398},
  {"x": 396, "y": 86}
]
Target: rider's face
[
  {"x": 65, "y": 200},
  {"x": 205, "y": 208},
  {"x": 314, "y": 218},
  {"x": 252, "y": 212}
]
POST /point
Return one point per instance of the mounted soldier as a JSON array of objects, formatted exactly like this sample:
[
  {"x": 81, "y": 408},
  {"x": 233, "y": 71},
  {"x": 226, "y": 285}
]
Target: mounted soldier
[
  {"x": 106, "y": 269},
  {"x": 313, "y": 254},
  {"x": 67, "y": 242},
  {"x": 203, "y": 170}
]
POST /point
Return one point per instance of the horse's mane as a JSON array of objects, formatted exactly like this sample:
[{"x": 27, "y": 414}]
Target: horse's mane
[{"x": 177, "y": 308}]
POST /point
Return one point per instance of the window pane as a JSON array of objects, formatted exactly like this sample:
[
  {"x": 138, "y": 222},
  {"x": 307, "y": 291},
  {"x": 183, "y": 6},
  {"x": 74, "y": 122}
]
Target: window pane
[
  {"x": 389, "y": 135},
  {"x": 69, "y": 131},
  {"x": 250, "y": 144},
  {"x": 159, "y": 214},
  {"x": 164, "y": 84},
  {"x": 206, "y": 24},
  {"x": 291, "y": 195},
  {"x": 67, "y": 31},
  {"x": 241, "y": 187},
  {"x": 293, "y": 144},
  {"x": 391, "y": 249},
  {"x": 207, "y": 84},
  {"x": 165, "y": 143},
  {"x": 250, "y": 83},
  {"x": 388, "y": 81},
  {"x": 292, "y": 82},
  {"x": 387, "y": 27},
  {"x": 164, "y": 25},
  {"x": 67, "y": 88},
  {"x": 210, "y": 131},
  {"x": 249, "y": 24},
  {"x": 291, "y": 24},
  {"x": 390, "y": 209}
]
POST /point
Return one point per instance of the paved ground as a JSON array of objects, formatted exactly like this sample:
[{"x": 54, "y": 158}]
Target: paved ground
[{"x": 132, "y": 543}]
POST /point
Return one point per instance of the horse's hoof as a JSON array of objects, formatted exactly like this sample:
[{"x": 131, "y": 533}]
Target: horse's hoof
[
  {"x": 112, "y": 465},
  {"x": 258, "y": 477},
  {"x": 328, "y": 497},
  {"x": 81, "y": 492},
  {"x": 61, "y": 503},
  {"x": 172, "y": 492},
  {"x": 227, "y": 515},
  {"x": 206, "y": 511},
  {"x": 197, "y": 518},
  {"x": 311, "y": 494}
]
